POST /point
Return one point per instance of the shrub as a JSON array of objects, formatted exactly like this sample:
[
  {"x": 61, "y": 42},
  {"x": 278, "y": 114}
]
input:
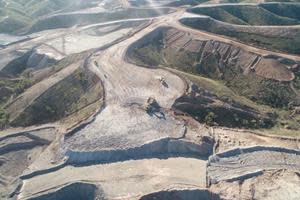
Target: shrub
[
  {"x": 3, "y": 118},
  {"x": 210, "y": 119}
]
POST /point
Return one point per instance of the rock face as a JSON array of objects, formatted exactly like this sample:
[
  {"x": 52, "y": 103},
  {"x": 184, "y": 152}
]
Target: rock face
[
  {"x": 168, "y": 146},
  {"x": 240, "y": 164},
  {"x": 271, "y": 185},
  {"x": 257, "y": 172}
]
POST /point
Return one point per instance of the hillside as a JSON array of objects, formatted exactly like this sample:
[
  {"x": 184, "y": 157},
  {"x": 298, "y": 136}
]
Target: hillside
[
  {"x": 255, "y": 14},
  {"x": 223, "y": 62},
  {"x": 149, "y": 100},
  {"x": 281, "y": 39}
]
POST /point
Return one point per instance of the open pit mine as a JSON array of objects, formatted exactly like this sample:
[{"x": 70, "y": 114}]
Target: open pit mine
[{"x": 149, "y": 100}]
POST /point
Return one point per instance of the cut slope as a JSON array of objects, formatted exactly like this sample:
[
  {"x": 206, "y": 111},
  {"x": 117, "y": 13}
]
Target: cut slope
[{"x": 249, "y": 74}]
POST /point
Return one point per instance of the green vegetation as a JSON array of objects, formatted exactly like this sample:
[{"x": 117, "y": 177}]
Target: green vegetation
[
  {"x": 23, "y": 78},
  {"x": 289, "y": 43},
  {"x": 186, "y": 2},
  {"x": 17, "y": 66},
  {"x": 269, "y": 120},
  {"x": 287, "y": 10},
  {"x": 13, "y": 87},
  {"x": 269, "y": 92},
  {"x": 249, "y": 15},
  {"x": 148, "y": 54},
  {"x": 3, "y": 118},
  {"x": 16, "y": 14},
  {"x": 296, "y": 82},
  {"x": 263, "y": 14},
  {"x": 222, "y": 91},
  {"x": 264, "y": 91},
  {"x": 21, "y": 85},
  {"x": 286, "y": 125},
  {"x": 235, "y": 99},
  {"x": 11, "y": 20},
  {"x": 22, "y": 16},
  {"x": 82, "y": 78},
  {"x": 210, "y": 119},
  {"x": 65, "y": 21},
  {"x": 228, "y": 108},
  {"x": 65, "y": 98}
]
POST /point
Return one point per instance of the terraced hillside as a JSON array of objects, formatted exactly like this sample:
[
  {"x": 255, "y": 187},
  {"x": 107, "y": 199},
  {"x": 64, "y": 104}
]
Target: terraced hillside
[
  {"x": 284, "y": 38},
  {"x": 245, "y": 72},
  {"x": 281, "y": 39},
  {"x": 144, "y": 99},
  {"x": 15, "y": 15},
  {"x": 21, "y": 17},
  {"x": 252, "y": 14}
]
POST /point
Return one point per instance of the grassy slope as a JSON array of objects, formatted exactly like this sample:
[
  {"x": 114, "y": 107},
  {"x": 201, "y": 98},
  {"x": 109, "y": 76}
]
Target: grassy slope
[
  {"x": 285, "y": 10},
  {"x": 65, "y": 98},
  {"x": 247, "y": 15},
  {"x": 283, "y": 118},
  {"x": 263, "y": 95},
  {"x": 265, "y": 14},
  {"x": 29, "y": 16},
  {"x": 11, "y": 88},
  {"x": 251, "y": 86},
  {"x": 21, "y": 13},
  {"x": 64, "y": 21}
]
